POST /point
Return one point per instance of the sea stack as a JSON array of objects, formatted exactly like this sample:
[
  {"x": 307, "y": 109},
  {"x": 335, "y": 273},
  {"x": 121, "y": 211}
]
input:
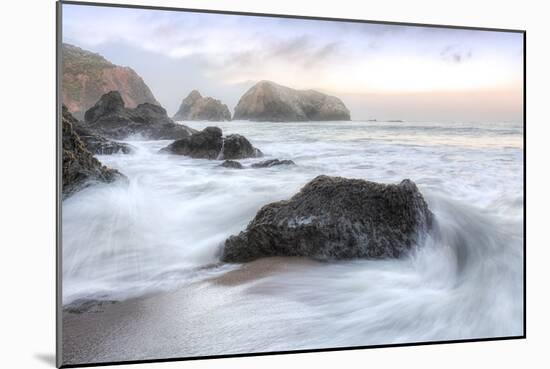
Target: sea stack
[
  {"x": 196, "y": 107},
  {"x": 268, "y": 101}
]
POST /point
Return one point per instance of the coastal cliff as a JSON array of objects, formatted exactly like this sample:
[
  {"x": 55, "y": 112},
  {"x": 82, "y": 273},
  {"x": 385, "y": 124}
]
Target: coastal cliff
[{"x": 87, "y": 76}]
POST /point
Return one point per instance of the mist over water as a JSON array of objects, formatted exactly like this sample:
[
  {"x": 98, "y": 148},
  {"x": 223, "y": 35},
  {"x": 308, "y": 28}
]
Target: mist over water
[{"x": 164, "y": 229}]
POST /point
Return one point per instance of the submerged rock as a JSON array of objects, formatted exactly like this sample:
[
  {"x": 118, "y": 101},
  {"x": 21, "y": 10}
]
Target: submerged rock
[
  {"x": 80, "y": 168},
  {"x": 231, "y": 164},
  {"x": 209, "y": 144},
  {"x": 196, "y": 107},
  {"x": 336, "y": 218},
  {"x": 272, "y": 163},
  {"x": 110, "y": 118},
  {"x": 268, "y": 101}
]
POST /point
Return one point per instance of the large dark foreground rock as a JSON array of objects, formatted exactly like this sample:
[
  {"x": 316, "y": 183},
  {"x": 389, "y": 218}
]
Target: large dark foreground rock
[
  {"x": 268, "y": 101},
  {"x": 336, "y": 218},
  {"x": 80, "y": 168},
  {"x": 196, "y": 107},
  {"x": 110, "y": 118},
  {"x": 210, "y": 144}
]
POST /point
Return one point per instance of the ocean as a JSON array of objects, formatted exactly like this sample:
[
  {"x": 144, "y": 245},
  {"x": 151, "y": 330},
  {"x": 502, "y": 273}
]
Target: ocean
[{"x": 163, "y": 232}]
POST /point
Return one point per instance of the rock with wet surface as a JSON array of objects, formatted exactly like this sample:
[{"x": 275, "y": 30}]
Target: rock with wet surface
[
  {"x": 336, "y": 218},
  {"x": 232, "y": 164},
  {"x": 238, "y": 147},
  {"x": 210, "y": 144},
  {"x": 206, "y": 144},
  {"x": 98, "y": 145},
  {"x": 80, "y": 168},
  {"x": 272, "y": 163}
]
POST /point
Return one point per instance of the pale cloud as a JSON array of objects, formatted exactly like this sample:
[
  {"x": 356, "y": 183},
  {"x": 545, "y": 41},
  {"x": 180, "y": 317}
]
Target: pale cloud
[
  {"x": 240, "y": 48},
  {"x": 342, "y": 58},
  {"x": 456, "y": 53}
]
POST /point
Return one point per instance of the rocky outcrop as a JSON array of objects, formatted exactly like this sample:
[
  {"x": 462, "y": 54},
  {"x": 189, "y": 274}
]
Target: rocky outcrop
[
  {"x": 210, "y": 144},
  {"x": 206, "y": 144},
  {"x": 98, "y": 145},
  {"x": 80, "y": 168},
  {"x": 231, "y": 164},
  {"x": 268, "y": 101},
  {"x": 272, "y": 163},
  {"x": 86, "y": 76},
  {"x": 111, "y": 118},
  {"x": 196, "y": 107},
  {"x": 336, "y": 218}
]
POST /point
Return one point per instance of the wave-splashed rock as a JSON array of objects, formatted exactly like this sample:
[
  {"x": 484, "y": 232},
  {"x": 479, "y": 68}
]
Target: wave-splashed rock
[
  {"x": 336, "y": 218},
  {"x": 80, "y": 168},
  {"x": 268, "y": 101},
  {"x": 210, "y": 144},
  {"x": 87, "y": 76},
  {"x": 238, "y": 147},
  {"x": 205, "y": 144},
  {"x": 231, "y": 164},
  {"x": 109, "y": 117},
  {"x": 272, "y": 163},
  {"x": 196, "y": 107},
  {"x": 98, "y": 145}
]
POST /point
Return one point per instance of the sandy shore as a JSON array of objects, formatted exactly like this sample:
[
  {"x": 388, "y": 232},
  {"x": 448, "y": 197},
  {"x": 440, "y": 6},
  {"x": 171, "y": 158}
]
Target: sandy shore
[{"x": 188, "y": 322}]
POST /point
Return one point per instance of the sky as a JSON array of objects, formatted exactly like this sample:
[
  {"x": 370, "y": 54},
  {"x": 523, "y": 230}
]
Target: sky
[{"x": 379, "y": 71}]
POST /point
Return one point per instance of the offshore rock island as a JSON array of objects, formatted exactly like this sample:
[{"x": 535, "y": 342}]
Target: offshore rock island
[
  {"x": 196, "y": 107},
  {"x": 271, "y": 102}
]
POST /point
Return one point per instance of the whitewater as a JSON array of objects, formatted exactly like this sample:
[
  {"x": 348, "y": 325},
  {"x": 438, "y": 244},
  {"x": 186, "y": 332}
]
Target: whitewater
[{"x": 163, "y": 230}]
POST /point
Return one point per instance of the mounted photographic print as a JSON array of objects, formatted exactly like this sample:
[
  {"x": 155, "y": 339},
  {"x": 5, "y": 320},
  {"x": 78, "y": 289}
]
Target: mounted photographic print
[{"x": 244, "y": 184}]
